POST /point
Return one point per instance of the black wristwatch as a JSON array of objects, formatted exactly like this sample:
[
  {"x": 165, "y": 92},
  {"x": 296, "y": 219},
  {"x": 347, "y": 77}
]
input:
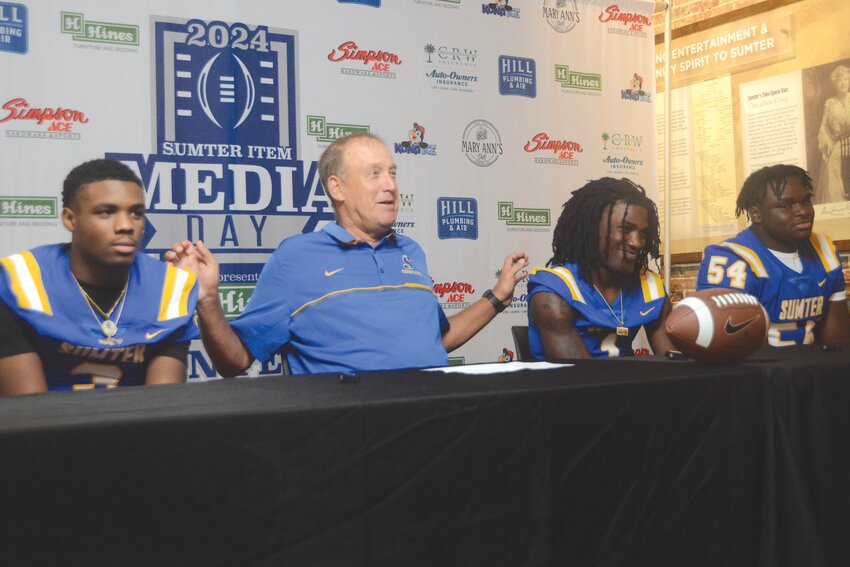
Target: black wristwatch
[{"x": 497, "y": 305}]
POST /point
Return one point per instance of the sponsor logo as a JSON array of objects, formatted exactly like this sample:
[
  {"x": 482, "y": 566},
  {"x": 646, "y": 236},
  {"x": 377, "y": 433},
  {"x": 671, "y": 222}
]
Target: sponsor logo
[
  {"x": 234, "y": 298},
  {"x": 452, "y": 4},
  {"x": 626, "y": 145},
  {"x": 517, "y": 76},
  {"x": 149, "y": 336},
  {"x": 415, "y": 143},
  {"x": 625, "y": 23},
  {"x": 453, "y": 67},
  {"x": 75, "y": 25},
  {"x": 457, "y": 217},
  {"x": 58, "y": 123},
  {"x": 635, "y": 91},
  {"x": 329, "y": 273},
  {"x": 14, "y": 28},
  {"x": 575, "y": 80},
  {"x": 516, "y": 217},
  {"x": 732, "y": 328},
  {"x": 375, "y": 63},
  {"x": 325, "y": 131},
  {"x": 506, "y": 356},
  {"x": 481, "y": 143},
  {"x": 373, "y": 3},
  {"x": 29, "y": 208},
  {"x": 453, "y": 295},
  {"x": 822, "y": 282},
  {"x": 647, "y": 312},
  {"x": 564, "y": 151},
  {"x": 500, "y": 8},
  {"x": 457, "y": 360},
  {"x": 561, "y": 15},
  {"x": 405, "y": 220},
  {"x": 225, "y": 165}
]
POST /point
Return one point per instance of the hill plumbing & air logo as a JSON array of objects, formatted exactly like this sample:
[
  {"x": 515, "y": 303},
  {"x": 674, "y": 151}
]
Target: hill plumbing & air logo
[
  {"x": 517, "y": 76},
  {"x": 14, "y": 28},
  {"x": 457, "y": 217}
]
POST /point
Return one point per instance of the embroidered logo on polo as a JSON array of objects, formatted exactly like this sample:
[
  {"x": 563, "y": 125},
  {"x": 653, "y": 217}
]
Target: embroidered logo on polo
[{"x": 407, "y": 266}]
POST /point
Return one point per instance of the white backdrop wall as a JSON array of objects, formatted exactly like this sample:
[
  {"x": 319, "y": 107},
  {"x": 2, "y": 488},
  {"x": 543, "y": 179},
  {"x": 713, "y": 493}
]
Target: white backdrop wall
[{"x": 224, "y": 107}]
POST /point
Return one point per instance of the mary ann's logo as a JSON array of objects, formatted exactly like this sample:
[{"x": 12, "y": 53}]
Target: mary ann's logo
[
  {"x": 561, "y": 15},
  {"x": 481, "y": 143}
]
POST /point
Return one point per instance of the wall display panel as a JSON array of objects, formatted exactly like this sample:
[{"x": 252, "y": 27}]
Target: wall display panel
[
  {"x": 768, "y": 88},
  {"x": 494, "y": 113}
]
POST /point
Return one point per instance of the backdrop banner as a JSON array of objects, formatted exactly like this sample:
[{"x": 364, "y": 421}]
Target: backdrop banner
[{"x": 494, "y": 113}]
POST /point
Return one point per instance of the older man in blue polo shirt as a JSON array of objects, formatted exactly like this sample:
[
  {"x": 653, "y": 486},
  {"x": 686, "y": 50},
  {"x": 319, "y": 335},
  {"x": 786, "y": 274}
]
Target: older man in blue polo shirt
[{"x": 354, "y": 296}]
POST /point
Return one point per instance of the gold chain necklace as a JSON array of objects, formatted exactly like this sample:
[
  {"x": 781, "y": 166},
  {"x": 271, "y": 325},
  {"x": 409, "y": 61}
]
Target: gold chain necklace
[
  {"x": 108, "y": 327},
  {"x": 622, "y": 330}
]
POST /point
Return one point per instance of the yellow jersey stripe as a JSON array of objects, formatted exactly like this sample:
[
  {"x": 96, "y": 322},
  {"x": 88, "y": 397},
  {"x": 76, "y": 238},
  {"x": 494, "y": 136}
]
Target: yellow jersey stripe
[
  {"x": 749, "y": 256},
  {"x": 27, "y": 284},
  {"x": 175, "y": 293},
  {"x": 359, "y": 289},
  {"x": 825, "y": 248},
  {"x": 652, "y": 287},
  {"x": 568, "y": 279}
]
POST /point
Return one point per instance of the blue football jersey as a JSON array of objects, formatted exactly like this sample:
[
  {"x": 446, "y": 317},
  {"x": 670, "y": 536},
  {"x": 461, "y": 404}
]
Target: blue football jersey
[
  {"x": 795, "y": 302},
  {"x": 159, "y": 306},
  {"x": 595, "y": 322}
]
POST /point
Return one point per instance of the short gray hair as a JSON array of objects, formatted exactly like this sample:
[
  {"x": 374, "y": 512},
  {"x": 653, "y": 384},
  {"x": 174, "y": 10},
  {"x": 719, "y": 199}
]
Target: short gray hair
[{"x": 331, "y": 160}]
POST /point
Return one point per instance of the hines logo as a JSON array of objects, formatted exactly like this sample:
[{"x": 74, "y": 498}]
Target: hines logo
[{"x": 28, "y": 207}]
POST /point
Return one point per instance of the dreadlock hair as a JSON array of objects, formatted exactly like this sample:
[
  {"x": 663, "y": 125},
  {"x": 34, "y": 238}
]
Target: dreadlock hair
[
  {"x": 92, "y": 172},
  {"x": 773, "y": 177},
  {"x": 576, "y": 236}
]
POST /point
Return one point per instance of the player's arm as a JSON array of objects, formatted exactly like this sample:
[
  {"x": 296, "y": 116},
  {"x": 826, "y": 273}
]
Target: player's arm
[
  {"x": 555, "y": 320},
  {"x": 229, "y": 354},
  {"x": 657, "y": 333},
  {"x": 21, "y": 371},
  {"x": 464, "y": 325},
  {"x": 168, "y": 365},
  {"x": 835, "y": 325},
  {"x": 22, "y": 374}
]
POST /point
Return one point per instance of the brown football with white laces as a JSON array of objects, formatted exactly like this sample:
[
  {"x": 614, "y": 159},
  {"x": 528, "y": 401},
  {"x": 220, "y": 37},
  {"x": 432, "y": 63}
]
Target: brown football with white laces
[{"x": 718, "y": 325}]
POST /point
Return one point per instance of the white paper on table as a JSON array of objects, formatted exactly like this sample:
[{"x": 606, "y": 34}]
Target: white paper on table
[{"x": 497, "y": 367}]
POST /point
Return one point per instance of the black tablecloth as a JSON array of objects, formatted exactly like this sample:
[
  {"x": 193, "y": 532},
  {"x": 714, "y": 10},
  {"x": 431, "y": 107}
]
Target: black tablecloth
[{"x": 615, "y": 462}]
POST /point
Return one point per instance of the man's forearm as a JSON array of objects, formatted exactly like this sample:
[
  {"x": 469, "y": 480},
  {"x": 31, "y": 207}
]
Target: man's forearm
[{"x": 228, "y": 353}]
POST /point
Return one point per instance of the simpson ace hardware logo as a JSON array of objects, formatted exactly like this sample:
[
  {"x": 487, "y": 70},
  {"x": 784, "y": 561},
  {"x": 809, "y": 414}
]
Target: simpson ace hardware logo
[{"x": 364, "y": 62}]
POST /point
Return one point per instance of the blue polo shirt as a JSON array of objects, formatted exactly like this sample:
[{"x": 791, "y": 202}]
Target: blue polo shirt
[{"x": 340, "y": 305}]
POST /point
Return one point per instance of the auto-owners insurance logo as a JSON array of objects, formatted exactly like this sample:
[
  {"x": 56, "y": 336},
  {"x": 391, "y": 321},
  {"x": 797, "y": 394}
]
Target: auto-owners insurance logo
[{"x": 225, "y": 165}]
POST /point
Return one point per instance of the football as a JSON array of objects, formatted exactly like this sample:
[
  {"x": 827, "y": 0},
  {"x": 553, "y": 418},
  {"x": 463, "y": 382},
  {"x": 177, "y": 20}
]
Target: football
[{"x": 718, "y": 325}]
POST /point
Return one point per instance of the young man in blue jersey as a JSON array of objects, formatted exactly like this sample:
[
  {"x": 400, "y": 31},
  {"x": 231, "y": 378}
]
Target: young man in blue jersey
[
  {"x": 596, "y": 291},
  {"x": 794, "y": 272},
  {"x": 94, "y": 313},
  {"x": 354, "y": 296}
]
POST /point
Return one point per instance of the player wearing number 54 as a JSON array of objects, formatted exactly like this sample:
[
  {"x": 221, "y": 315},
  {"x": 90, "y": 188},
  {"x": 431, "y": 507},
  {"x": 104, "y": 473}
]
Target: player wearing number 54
[
  {"x": 794, "y": 272},
  {"x": 94, "y": 313},
  {"x": 597, "y": 291}
]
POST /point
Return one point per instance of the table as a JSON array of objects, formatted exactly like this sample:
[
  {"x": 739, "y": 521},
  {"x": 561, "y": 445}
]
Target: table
[{"x": 606, "y": 463}]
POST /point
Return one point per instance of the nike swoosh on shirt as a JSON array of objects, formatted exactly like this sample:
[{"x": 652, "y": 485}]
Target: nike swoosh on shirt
[
  {"x": 152, "y": 335},
  {"x": 647, "y": 312},
  {"x": 332, "y": 272},
  {"x": 732, "y": 328},
  {"x": 820, "y": 283}
]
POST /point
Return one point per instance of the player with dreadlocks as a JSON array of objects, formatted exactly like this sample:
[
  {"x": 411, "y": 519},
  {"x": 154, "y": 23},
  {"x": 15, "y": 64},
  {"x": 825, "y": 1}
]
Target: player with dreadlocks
[
  {"x": 794, "y": 272},
  {"x": 596, "y": 291}
]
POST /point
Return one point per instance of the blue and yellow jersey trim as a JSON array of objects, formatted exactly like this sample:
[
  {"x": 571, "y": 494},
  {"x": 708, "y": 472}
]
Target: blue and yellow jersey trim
[
  {"x": 175, "y": 293},
  {"x": 27, "y": 285},
  {"x": 749, "y": 256},
  {"x": 361, "y": 289},
  {"x": 651, "y": 285},
  {"x": 567, "y": 277},
  {"x": 825, "y": 249}
]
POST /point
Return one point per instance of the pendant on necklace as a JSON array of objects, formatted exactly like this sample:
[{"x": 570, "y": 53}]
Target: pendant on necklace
[
  {"x": 109, "y": 328},
  {"x": 623, "y": 331}
]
